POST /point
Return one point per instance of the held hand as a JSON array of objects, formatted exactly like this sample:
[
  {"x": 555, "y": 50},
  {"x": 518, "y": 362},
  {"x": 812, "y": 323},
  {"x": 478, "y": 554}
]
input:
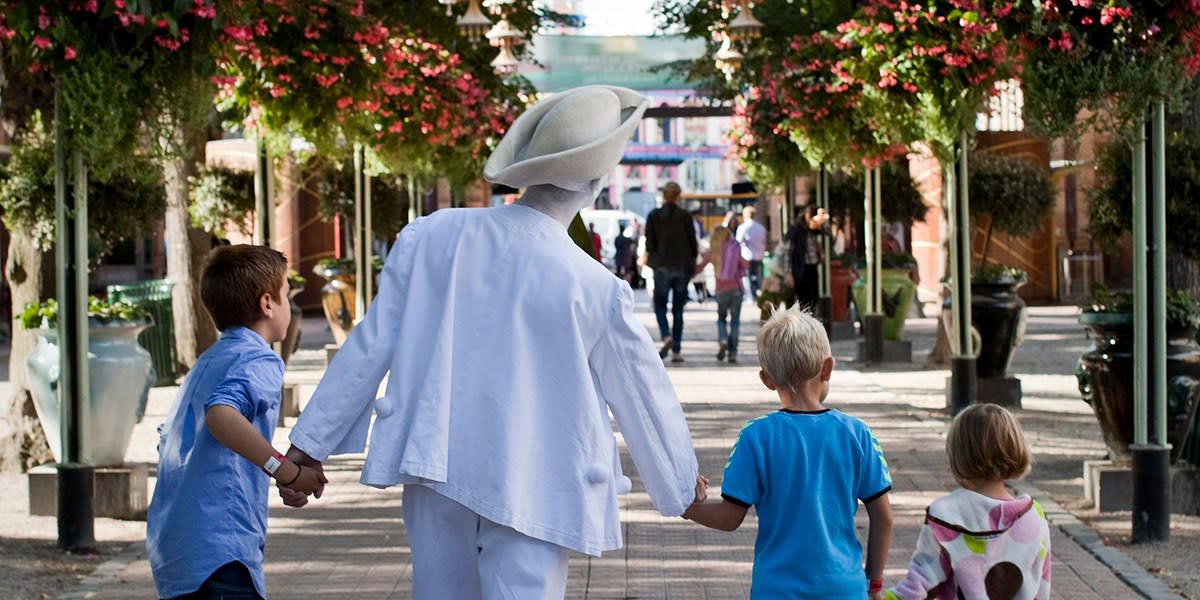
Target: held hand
[
  {"x": 293, "y": 498},
  {"x": 306, "y": 481},
  {"x": 875, "y": 596},
  {"x": 701, "y": 489},
  {"x": 300, "y": 457}
]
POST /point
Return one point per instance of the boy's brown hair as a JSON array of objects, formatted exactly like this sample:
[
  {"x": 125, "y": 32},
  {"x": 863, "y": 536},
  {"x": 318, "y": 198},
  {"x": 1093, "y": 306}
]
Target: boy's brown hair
[
  {"x": 234, "y": 279},
  {"x": 985, "y": 443}
]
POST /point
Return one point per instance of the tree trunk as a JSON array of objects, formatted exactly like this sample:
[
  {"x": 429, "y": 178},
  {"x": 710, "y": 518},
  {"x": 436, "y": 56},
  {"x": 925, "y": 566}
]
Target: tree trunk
[
  {"x": 22, "y": 442},
  {"x": 187, "y": 248},
  {"x": 1182, "y": 273}
]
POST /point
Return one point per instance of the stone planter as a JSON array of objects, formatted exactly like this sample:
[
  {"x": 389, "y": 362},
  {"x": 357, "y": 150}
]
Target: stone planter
[
  {"x": 337, "y": 299},
  {"x": 120, "y": 376},
  {"x": 841, "y": 279},
  {"x": 1105, "y": 375},
  {"x": 898, "y": 291},
  {"x": 998, "y": 314}
]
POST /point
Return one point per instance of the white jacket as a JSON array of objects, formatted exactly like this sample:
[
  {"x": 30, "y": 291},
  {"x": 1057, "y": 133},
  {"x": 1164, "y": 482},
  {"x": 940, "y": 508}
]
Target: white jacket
[{"x": 507, "y": 346}]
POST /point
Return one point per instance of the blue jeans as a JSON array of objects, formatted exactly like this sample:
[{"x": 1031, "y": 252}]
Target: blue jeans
[
  {"x": 230, "y": 582},
  {"x": 671, "y": 280},
  {"x": 755, "y": 276},
  {"x": 729, "y": 303}
]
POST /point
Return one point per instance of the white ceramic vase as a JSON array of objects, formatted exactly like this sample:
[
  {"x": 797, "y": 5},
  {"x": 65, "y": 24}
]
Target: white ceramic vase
[{"x": 120, "y": 372}]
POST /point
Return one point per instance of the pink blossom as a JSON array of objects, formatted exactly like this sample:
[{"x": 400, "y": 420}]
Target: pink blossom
[
  {"x": 41, "y": 42},
  {"x": 69, "y": 53},
  {"x": 344, "y": 101}
]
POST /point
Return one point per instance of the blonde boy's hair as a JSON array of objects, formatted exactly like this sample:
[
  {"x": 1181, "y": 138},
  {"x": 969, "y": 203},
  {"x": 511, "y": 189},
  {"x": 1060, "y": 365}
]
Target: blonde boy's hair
[
  {"x": 792, "y": 346},
  {"x": 986, "y": 443}
]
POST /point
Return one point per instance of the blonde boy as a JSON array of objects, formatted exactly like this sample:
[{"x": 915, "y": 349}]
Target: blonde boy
[{"x": 805, "y": 468}]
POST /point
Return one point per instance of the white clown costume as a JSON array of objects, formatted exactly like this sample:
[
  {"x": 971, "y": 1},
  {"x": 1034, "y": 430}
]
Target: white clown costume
[{"x": 505, "y": 348}]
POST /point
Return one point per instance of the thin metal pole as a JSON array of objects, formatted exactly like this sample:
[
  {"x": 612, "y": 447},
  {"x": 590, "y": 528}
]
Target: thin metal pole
[
  {"x": 362, "y": 252},
  {"x": 823, "y": 202},
  {"x": 871, "y": 241},
  {"x": 877, "y": 235},
  {"x": 1158, "y": 246},
  {"x": 76, "y": 516},
  {"x": 1151, "y": 472},
  {"x": 263, "y": 207},
  {"x": 962, "y": 216},
  {"x": 1140, "y": 347}
]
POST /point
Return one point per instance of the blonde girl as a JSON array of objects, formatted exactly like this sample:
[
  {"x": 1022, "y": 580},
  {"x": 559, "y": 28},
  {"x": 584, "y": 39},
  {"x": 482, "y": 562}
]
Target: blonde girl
[{"x": 980, "y": 542}]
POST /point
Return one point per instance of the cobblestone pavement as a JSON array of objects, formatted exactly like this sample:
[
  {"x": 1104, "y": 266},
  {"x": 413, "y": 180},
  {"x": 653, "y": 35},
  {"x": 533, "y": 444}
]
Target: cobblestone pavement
[{"x": 351, "y": 543}]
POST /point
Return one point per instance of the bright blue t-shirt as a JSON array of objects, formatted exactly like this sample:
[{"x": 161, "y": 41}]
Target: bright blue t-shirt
[
  {"x": 804, "y": 473},
  {"x": 210, "y": 504}
]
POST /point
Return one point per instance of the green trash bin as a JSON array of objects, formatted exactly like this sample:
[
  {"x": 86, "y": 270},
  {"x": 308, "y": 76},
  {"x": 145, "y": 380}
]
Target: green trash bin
[{"x": 158, "y": 339}]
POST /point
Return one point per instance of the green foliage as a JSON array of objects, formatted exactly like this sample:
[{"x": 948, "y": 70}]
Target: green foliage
[
  {"x": 327, "y": 267},
  {"x": 1183, "y": 306},
  {"x": 129, "y": 200},
  {"x": 295, "y": 280},
  {"x": 901, "y": 200},
  {"x": 389, "y": 199},
  {"x": 221, "y": 196},
  {"x": 1110, "y": 205},
  {"x": 1011, "y": 191},
  {"x": 998, "y": 274},
  {"x": 1101, "y": 64},
  {"x": 45, "y": 314}
]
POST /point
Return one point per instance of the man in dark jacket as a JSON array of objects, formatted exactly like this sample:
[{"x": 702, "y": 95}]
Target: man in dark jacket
[{"x": 671, "y": 247}]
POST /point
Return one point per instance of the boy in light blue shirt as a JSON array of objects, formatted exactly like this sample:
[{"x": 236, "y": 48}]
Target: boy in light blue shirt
[
  {"x": 805, "y": 468},
  {"x": 207, "y": 522}
]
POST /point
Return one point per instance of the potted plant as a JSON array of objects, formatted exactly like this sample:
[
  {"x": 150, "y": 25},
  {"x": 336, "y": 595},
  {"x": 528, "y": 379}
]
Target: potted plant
[
  {"x": 897, "y": 290},
  {"x": 902, "y": 204},
  {"x": 338, "y": 294},
  {"x": 1105, "y": 371},
  {"x": 1012, "y": 196},
  {"x": 120, "y": 375}
]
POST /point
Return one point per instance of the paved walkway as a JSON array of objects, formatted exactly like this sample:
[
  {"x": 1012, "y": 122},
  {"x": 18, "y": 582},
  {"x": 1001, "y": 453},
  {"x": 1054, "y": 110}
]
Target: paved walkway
[{"x": 351, "y": 543}]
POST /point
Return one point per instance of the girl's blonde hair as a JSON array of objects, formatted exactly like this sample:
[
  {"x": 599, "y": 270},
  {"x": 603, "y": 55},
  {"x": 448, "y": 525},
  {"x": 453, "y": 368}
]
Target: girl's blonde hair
[
  {"x": 716, "y": 245},
  {"x": 985, "y": 443},
  {"x": 792, "y": 346}
]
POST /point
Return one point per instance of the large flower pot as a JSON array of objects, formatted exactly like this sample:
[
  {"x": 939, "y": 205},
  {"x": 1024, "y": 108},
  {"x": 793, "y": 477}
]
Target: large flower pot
[
  {"x": 898, "y": 291},
  {"x": 841, "y": 278},
  {"x": 120, "y": 375},
  {"x": 998, "y": 314},
  {"x": 1105, "y": 374},
  {"x": 337, "y": 298}
]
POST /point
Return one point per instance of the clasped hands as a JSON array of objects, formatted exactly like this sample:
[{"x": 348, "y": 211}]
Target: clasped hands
[{"x": 296, "y": 495}]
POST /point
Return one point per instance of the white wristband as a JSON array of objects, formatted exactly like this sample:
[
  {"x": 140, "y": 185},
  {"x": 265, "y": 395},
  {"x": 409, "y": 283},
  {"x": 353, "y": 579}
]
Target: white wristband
[{"x": 273, "y": 463}]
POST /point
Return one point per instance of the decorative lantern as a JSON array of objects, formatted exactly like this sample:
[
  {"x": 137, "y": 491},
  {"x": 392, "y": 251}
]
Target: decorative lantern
[
  {"x": 449, "y": 6},
  {"x": 728, "y": 58},
  {"x": 473, "y": 23},
  {"x": 745, "y": 27},
  {"x": 505, "y": 63}
]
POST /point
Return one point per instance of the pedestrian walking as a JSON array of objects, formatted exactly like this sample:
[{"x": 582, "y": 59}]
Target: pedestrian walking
[
  {"x": 505, "y": 356},
  {"x": 752, "y": 235},
  {"x": 207, "y": 522},
  {"x": 725, "y": 255},
  {"x": 805, "y": 255},
  {"x": 623, "y": 254},
  {"x": 671, "y": 249},
  {"x": 805, "y": 468},
  {"x": 980, "y": 542}
]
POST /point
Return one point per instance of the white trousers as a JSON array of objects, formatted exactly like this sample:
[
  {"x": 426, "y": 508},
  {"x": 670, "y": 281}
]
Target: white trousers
[{"x": 459, "y": 555}]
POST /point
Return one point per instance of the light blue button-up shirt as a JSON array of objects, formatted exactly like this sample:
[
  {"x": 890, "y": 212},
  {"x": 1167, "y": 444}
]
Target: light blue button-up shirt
[{"x": 210, "y": 504}]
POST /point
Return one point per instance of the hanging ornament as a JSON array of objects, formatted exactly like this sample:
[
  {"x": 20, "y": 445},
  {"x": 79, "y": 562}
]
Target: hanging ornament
[{"x": 473, "y": 23}]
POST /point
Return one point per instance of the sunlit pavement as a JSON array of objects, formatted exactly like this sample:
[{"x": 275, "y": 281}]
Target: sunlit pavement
[{"x": 351, "y": 543}]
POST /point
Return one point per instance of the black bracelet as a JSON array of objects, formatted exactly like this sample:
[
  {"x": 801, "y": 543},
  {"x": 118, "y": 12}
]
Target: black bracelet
[{"x": 299, "y": 470}]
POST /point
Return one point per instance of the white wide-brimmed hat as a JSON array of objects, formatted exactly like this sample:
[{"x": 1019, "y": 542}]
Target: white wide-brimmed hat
[{"x": 567, "y": 140}]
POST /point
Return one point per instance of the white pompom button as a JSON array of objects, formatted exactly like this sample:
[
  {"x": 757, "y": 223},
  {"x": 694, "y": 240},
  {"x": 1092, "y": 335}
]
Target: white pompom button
[
  {"x": 597, "y": 474},
  {"x": 383, "y": 407}
]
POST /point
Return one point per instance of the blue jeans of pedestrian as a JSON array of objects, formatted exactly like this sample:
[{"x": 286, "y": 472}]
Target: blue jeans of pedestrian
[
  {"x": 754, "y": 274},
  {"x": 230, "y": 582},
  {"x": 674, "y": 281},
  {"x": 729, "y": 308}
]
